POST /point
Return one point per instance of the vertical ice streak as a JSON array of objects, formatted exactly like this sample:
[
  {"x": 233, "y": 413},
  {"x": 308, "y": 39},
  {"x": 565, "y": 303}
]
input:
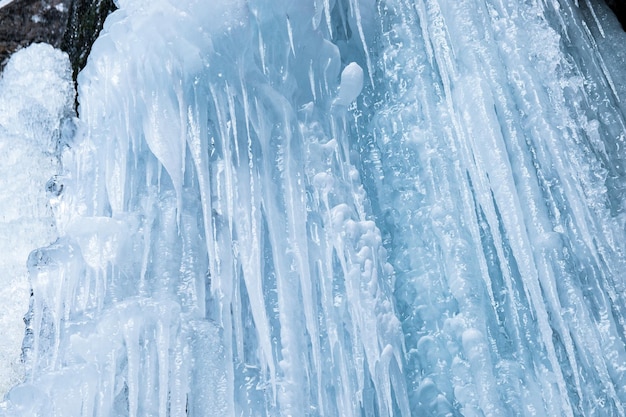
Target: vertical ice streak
[
  {"x": 507, "y": 224},
  {"x": 193, "y": 231}
]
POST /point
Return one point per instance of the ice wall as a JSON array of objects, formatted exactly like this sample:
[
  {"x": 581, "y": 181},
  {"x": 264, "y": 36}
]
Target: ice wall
[
  {"x": 338, "y": 208},
  {"x": 508, "y": 277}
]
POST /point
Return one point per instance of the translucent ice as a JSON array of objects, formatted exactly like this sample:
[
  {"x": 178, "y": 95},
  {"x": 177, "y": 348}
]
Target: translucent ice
[{"x": 337, "y": 208}]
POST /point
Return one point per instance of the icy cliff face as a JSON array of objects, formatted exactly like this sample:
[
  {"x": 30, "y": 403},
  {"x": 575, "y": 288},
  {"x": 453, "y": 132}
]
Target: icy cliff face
[{"x": 336, "y": 208}]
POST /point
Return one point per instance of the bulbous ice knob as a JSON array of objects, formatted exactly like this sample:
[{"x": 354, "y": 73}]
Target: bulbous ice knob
[{"x": 351, "y": 84}]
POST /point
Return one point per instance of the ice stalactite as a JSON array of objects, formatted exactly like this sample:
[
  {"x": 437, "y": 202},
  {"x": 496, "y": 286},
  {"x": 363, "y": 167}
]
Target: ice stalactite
[
  {"x": 337, "y": 208},
  {"x": 500, "y": 143},
  {"x": 216, "y": 233}
]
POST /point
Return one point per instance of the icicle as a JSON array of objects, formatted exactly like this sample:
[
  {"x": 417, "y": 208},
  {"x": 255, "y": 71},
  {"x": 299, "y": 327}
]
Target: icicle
[
  {"x": 356, "y": 9},
  {"x": 290, "y": 33},
  {"x": 595, "y": 18}
]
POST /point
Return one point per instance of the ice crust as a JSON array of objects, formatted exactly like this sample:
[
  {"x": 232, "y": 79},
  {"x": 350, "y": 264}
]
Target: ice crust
[{"x": 331, "y": 208}]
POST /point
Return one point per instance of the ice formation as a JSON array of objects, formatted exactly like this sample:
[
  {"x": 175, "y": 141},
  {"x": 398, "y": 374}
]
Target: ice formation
[
  {"x": 36, "y": 98},
  {"x": 335, "y": 208}
]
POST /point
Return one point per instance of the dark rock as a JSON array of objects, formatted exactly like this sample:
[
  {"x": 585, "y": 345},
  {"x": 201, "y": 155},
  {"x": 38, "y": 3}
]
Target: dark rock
[
  {"x": 86, "y": 18},
  {"x": 28, "y": 21},
  {"x": 72, "y": 25},
  {"x": 619, "y": 8}
]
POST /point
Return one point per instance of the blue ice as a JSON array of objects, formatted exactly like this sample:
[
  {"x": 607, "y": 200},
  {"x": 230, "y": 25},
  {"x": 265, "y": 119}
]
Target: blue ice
[{"x": 336, "y": 208}]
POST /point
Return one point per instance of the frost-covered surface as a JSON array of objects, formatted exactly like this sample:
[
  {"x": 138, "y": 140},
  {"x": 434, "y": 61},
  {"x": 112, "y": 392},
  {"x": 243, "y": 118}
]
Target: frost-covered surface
[
  {"x": 36, "y": 92},
  {"x": 337, "y": 208}
]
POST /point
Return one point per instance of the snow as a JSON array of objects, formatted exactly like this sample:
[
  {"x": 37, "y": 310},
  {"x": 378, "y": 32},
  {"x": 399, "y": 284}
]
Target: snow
[
  {"x": 337, "y": 208},
  {"x": 36, "y": 93}
]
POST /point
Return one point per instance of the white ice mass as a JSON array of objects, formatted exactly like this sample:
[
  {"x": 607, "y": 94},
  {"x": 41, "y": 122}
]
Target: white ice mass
[
  {"x": 36, "y": 97},
  {"x": 322, "y": 208}
]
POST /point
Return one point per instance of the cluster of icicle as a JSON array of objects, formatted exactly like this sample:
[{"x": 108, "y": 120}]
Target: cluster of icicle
[
  {"x": 497, "y": 165},
  {"x": 216, "y": 256},
  {"x": 336, "y": 208}
]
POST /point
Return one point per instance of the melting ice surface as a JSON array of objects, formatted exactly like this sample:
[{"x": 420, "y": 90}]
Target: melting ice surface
[{"x": 335, "y": 208}]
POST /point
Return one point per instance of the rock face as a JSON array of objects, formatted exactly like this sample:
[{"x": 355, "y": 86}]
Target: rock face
[
  {"x": 86, "y": 18},
  {"x": 619, "y": 8},
  {"x": 72, "y": 25},
  {"x": 29, "y": 21}
]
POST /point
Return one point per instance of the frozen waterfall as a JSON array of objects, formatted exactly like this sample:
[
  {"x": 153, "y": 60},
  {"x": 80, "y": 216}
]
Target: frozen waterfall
[{"x": 335, "y": 208}]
